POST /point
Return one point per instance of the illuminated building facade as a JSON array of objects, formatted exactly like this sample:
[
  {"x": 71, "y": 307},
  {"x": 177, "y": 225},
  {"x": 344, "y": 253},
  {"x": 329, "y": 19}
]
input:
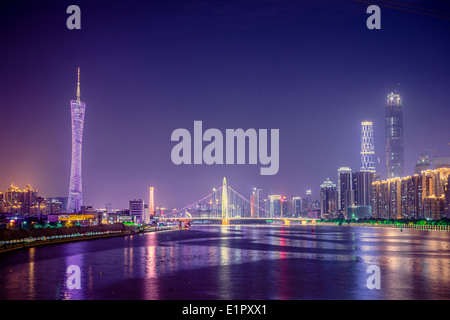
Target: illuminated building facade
[
  {"x": 386, "y": 199},
  {"x": 21, "y": 201},
  {"x": 78, "y": 107},
  {"x": 421, "y": 196},
  {"x": 394, "y": 136},
  {"x": 367, "y": 147},
  {"x": 328, "y": 199},
  {"x": 56, "y": 205},
  {"x": 434, "y": 207}
]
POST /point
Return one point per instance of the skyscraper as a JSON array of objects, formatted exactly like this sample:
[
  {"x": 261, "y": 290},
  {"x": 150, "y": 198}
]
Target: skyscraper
[
  {"x": 256, "y": 192},
  {"x": 307, "y": 201},
  {"x": 296, "y": 209},
  {"x": 274, "y": 205},
  {"x": 367, "y": 147},
  {"x": 328, "y": 198},
  {"x": 362, "y": 186},
  {"x": 345, "y": 197},
  {"x": 78, "y": 107},
  {"x": 394, "y": 136}
]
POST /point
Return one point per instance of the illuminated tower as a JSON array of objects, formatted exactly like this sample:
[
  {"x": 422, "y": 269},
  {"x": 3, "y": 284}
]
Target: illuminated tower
[
  {"x": 78, "y": 107},
  {"x": 152, "y": 203},
  {"x": 225, "y": 199},
  {"x": 394, "y": 136},
  {"x": 367, "y": 147}
]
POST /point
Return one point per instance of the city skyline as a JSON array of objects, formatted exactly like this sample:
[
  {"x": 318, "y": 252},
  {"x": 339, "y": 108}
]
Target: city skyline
[{"x": 264, "y": 80}]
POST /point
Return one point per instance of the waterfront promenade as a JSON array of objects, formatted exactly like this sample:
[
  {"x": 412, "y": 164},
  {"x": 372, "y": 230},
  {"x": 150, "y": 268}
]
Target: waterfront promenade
[
  {"x": 84, "y": 233},
  {"x": 429, "y": 225}
]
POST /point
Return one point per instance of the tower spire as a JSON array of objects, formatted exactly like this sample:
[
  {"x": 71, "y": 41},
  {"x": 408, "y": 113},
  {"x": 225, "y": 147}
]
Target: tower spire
[{"x": 78, "y": 86}]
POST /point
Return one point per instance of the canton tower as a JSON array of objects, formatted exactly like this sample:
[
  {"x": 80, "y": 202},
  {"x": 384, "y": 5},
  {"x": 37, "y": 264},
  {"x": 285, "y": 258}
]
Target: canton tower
[{"x": 77, "y": 107}]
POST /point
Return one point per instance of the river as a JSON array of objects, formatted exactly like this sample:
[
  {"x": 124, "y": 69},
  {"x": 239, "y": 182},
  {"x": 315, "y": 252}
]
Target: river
[{"x": 237, "y": 262}]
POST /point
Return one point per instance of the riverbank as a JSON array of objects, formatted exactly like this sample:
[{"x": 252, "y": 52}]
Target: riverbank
[
  {"x": 44, "y": 240},
  {"x": 434, "y": 227}
]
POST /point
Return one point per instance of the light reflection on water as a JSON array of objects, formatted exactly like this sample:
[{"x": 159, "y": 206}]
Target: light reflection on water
[{"x": 237, "y": 262}]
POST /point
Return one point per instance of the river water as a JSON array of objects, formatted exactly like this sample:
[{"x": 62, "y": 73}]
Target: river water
[{"x": 238, "y": 262}]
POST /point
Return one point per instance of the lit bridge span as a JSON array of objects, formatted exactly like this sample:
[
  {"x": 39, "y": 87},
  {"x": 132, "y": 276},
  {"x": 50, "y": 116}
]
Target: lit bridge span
[{"x": 225, "y": 205}]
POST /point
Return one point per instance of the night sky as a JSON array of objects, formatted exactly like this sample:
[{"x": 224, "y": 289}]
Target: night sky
[{"x": 311, "y": 69}]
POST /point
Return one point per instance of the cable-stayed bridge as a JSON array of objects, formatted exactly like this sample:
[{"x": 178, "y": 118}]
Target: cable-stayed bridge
[{"x": 226, "y": 205}]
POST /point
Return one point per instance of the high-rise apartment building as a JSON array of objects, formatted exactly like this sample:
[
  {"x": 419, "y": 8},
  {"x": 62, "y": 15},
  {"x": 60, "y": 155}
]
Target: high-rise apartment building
[
  {"x": 21, "y": 201},
  {"x": 394, "y": 136},
  {"x": 78, "y": 108},
  {"x": 421, "y": 196}
]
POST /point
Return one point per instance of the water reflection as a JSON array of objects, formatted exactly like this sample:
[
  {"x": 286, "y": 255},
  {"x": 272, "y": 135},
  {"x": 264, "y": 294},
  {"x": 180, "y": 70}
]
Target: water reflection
[
  {"x": 31, "y": 275},
  {"x": 237, "y": 262},
  {"x": 62, "y": 277}
]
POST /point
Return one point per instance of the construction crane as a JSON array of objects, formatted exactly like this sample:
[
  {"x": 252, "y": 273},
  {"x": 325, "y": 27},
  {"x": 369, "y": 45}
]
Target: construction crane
[{"x": 432, "y": 150}]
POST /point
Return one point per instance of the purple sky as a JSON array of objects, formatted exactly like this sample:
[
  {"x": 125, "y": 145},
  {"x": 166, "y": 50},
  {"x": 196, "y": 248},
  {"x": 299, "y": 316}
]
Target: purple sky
[{"x": 311, "y": 69}]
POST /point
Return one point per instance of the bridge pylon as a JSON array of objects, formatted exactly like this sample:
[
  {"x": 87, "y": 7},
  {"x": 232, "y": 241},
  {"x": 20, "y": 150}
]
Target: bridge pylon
[{"x": 225, "y": 199}]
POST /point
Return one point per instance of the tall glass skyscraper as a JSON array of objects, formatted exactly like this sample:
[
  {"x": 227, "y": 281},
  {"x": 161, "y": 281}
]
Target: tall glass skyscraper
[
  {"x": 345, "y": 197},
  {"x": 78, "y": 107},
  {"x": 394, "y": 136},
  {"x": 367, "y": 147},
  {"x": 328, "y": 199}
]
